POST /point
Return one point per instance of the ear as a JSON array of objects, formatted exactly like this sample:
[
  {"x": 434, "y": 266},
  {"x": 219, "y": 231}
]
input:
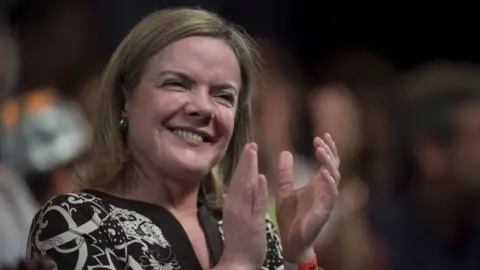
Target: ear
[{"x": 126, "y": 98}]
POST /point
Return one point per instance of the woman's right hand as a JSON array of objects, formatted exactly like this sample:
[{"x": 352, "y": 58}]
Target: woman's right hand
[{"x": 244, "y": 213}]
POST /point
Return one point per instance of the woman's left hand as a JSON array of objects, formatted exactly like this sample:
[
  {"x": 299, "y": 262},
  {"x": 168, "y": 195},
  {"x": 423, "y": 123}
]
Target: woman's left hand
[{"x": 302, "y": 213}]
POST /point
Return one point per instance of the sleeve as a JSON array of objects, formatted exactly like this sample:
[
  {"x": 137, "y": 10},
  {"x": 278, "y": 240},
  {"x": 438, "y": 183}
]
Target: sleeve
[
  {"x": 274, "y": 259},
  {"x": 68, "y": 230}
]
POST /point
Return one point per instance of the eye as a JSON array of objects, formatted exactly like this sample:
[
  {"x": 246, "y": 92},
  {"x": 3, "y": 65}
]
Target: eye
[
  {"x": 228, "y": 97},
  {"x": 175, "y": 84}
]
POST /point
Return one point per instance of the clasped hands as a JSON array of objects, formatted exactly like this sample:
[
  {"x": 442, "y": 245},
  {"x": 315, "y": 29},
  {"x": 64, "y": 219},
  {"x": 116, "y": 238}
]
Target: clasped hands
[{"x": 301, "y": 213}]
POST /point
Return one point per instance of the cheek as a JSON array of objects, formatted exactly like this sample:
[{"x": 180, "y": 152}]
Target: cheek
[
  {"x": 149, "y": 105},
  {"x": 225, "y": 122},
  {"x": 145, "y": 111},
  {"x": 140, "y": 116}
]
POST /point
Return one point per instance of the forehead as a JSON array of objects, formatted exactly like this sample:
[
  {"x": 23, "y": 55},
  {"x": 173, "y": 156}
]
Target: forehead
[{"x": 206, "y": 59}]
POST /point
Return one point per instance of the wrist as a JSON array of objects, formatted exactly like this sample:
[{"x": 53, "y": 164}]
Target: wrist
[
  {"x": 306, "y": 255},
  {"x": 310, "y": 265},
  {"x": 227, "y": 263},
  {"x": 302, "y": 256}
]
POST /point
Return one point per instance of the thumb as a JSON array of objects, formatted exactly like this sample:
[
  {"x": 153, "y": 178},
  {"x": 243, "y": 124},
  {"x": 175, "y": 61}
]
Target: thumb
[{"x": 285, "y": 174}]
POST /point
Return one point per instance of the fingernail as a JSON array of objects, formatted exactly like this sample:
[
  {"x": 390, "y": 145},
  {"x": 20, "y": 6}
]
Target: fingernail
[
  {"x": 317, "y": 141},
  {"x": 253, "y": 146},
  {"x": 285, "y": 160}
]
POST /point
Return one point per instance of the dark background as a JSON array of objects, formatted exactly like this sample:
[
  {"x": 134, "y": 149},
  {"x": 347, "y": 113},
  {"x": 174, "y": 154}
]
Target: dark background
[{"x": 407, "y": 32}]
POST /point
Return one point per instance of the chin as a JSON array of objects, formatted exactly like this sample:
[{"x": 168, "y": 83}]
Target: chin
[
  {"x": 188, "y": 169},
  {"x": 185, "y": 159},
  {"x": 196, "y": 172}
]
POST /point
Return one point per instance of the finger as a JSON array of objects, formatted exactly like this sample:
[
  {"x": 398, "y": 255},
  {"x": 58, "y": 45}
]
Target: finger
[
  {"x": 242, "y": 167},
  {"x": 327, "y": 178},
  {"x": 328, "y": 163},
  {"x": 260, "y": 205},
  {"x": 333, "y": 146},
  {"x": 253, "y": 146},
  {"x": 253, "y": 162},
  {"x": 245, "y": 179},
  {"x": 285, "y": 175},
  {"x": 318, "y": 142}
]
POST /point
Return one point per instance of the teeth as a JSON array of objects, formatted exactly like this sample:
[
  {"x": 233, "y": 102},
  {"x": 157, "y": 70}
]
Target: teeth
[{"x": 188, "y": 135}]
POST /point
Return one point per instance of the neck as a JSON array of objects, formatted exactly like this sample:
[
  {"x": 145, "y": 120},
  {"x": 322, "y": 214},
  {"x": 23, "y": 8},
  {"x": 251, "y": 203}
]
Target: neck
[{"x": 149, "y": 185}]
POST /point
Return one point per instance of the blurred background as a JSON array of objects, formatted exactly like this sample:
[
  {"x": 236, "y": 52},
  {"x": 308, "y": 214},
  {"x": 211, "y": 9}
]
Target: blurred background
[{"x": 396, "y": 83}]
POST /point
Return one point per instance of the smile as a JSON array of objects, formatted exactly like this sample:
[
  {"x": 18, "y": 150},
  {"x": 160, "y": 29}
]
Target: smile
[{"x": 189, "y": 135}]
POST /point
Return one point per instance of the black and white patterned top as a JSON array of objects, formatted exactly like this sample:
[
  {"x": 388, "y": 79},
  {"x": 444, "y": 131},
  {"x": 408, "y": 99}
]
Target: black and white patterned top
[{"x": 95, "y": 230}]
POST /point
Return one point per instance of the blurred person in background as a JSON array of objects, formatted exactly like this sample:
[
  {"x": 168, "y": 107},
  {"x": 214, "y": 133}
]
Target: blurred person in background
[
  {"x": 433, "y": 222},
  {"x": 277, "y": 112},
  {"x": 29, "y": 123},
  {"x": 345, "y": 243},
  {"x": 368, "y": 75},
  {"x": 17, "y": 205},
  {"x": 44, "y": 137}
]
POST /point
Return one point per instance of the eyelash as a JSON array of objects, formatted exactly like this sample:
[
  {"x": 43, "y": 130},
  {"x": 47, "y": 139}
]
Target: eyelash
[
  {"x": 175, "y": 84},
  {"x": 230, "y": 98},
  {"x": 226, "y": 96}
]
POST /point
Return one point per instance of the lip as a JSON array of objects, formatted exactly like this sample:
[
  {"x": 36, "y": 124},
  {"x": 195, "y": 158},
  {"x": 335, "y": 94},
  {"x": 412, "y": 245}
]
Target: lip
[{"x": 207, "y": 136}]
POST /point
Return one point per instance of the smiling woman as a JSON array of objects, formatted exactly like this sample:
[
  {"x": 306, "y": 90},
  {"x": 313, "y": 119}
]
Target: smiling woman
[
  {"x": 172, "y": 130},
  {"x": 163, "y": 57}
]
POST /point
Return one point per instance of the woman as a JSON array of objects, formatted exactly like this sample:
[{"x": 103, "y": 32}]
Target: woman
[{"x": 172, "y": 128}]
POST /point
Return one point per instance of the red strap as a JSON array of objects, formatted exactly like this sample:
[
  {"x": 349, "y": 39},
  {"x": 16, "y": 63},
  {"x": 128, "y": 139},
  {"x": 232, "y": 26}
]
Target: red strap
[{"x": 311, "y": 265}]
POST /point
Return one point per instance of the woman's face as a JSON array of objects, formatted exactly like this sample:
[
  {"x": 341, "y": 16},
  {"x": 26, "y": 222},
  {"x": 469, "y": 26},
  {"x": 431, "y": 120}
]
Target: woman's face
[{"x": 181, "y": 115}]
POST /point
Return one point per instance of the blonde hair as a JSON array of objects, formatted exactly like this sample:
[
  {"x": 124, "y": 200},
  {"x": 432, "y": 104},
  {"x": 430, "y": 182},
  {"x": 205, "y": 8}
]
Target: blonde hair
[{"x": 124, "y": 70}]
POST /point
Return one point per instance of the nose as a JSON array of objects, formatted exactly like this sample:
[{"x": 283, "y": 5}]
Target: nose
[{"x": 200, "y": 106}]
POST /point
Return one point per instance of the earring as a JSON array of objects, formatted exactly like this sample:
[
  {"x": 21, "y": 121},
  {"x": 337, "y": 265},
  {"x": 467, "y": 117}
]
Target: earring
[{"x": 124, "y": 124}]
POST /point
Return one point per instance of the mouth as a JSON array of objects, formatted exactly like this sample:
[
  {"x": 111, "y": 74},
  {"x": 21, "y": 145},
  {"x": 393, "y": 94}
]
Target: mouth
[{"x": 192, "y": 135}]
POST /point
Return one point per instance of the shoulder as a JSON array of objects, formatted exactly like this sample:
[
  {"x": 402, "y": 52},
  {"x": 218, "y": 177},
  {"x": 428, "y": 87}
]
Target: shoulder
[
  {"x": 73, "y": 205},
  {"x": 66, "y": 216},
  {"x": 76, "y": 230}
]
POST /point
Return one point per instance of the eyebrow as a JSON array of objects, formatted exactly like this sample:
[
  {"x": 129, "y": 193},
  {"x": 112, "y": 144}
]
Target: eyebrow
[{"x": 189, "y": 79}]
